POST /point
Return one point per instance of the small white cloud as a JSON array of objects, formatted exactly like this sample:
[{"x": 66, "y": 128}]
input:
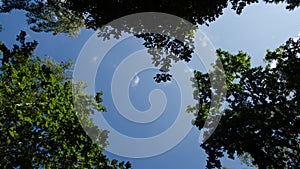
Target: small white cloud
[
  {"x": 136, "y": 81},
  {"x": 299, "y": 34},
  {"x": 94, "y": 59}
]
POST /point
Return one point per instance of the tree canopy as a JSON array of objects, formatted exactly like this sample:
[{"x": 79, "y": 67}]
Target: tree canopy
[
  {"x": 38, "y": 120},
  {"x": 40, "y": 113},
  {"x": 261, "y": 120},
  {"x": 70, "y": 16}
]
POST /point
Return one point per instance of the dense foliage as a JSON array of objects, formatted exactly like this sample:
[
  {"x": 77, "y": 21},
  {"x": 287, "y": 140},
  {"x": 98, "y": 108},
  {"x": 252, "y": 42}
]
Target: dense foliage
[
  {"x": 39, "y": 125},
  {"x": 262, "y": 118},
  {"x": 38, "y": 122},
  {"x": 69, "y": 16}
]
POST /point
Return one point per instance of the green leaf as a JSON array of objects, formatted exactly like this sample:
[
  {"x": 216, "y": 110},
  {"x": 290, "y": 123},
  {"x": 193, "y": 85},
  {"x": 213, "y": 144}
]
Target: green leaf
[{"x": 12, "y": 133}]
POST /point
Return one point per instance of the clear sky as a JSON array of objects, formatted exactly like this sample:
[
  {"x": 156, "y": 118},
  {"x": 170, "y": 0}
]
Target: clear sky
[{"x": 260, "y": 27}]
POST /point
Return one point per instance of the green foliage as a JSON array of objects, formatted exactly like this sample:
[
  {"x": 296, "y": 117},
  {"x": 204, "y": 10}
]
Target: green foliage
[
  {"x": 69, "y": 16},
  {"x": 261, "y": 122},
  {"x": 49, "y": 16},
  {"x": 39, "y": 125}
]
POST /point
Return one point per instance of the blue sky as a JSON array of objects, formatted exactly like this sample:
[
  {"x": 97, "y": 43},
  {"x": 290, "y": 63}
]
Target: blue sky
[{"x": 260, "y": 27}]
